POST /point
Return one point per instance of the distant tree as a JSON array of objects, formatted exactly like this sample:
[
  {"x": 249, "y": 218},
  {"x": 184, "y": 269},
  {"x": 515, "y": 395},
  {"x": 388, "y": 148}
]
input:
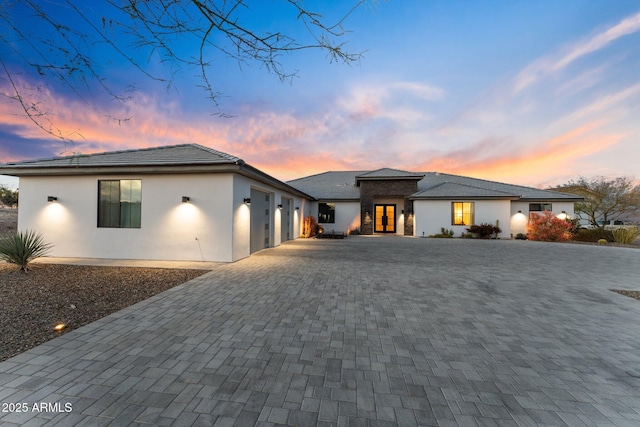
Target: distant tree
[
  {"x": 8, "y": 197},
  {"x": 604, "y": 199},
  {"x": 73, "y": 42}
]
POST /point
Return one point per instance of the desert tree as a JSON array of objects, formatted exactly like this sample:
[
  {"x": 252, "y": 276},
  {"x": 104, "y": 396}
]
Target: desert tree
[
  {"x": 604, "y": 199},
  {"x": 72, "y": 43}
]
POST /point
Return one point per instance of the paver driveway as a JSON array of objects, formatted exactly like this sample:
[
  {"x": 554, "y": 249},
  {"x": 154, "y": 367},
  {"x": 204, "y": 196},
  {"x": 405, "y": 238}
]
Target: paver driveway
[{"x": 365, "y": 331}]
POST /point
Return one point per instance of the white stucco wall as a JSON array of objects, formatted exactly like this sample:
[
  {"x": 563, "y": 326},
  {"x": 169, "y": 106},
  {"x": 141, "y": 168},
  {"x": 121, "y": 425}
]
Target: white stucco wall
[
  {"x": 519, "y": 220},
  {"x": 242, "y": 187},
  {"x": 347, "y": 216},
  {"x": 170, "y": 229},
  {"x": 431, "y": 215}
]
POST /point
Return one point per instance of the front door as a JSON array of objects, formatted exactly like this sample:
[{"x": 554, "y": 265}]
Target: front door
[{"x": 385, "y": 220}]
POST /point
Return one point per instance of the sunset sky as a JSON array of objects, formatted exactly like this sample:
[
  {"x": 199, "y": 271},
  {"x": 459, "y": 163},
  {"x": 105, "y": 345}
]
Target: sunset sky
[{"x": 533, "y": 93}]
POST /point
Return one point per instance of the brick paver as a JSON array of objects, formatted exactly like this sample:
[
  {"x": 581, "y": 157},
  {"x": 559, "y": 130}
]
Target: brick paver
[{"x": 363, "y": 331}]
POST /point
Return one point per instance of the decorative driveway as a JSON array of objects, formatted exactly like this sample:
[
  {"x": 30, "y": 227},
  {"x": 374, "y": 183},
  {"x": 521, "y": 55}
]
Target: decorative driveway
[{"x": 365, "y": 331}]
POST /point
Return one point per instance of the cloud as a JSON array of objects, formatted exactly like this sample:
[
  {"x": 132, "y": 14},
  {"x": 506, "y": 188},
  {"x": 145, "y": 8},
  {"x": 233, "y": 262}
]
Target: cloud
[{"x": 547, "y": 66}]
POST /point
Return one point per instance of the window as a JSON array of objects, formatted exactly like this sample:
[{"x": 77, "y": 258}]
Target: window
[
  {"x": 326, "y": 213},
  {"x": 539, "y": 207},
  {"x": 462, "y": 213},
  {"x": 119, "y": 203}
]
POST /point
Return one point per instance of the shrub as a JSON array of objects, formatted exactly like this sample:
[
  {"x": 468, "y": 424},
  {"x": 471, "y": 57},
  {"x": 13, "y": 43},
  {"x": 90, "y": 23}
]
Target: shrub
[
  {"x": 548, "y": 228},
  {"x": 309, "y": 226},
  {"x": 593, "y": 235},
  {"x": 22, "y": 248},
  {"x": 602, "y": 242},
  {"x": 444, "y": 234},
  {"x": 625, "y": 235},
  {"x": 484, "y": 231},
  {"x": 521, "y": 236}
]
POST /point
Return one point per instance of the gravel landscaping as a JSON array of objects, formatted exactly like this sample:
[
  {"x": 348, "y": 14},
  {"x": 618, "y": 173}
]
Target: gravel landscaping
[{"x": 32, "y": 303}]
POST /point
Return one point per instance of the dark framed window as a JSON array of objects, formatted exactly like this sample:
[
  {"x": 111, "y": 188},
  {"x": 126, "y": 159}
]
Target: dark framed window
[
  {"x": 462, "y": 213},
  {"x": 120, "y": 203},
  {"x": 326, "y": 213},
  {"x": 539, "y": 207}
]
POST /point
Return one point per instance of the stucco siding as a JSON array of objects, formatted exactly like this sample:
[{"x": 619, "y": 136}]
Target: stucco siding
[
  {"x": 431, "y": 215},
  {"x": 170, "y": 230}
]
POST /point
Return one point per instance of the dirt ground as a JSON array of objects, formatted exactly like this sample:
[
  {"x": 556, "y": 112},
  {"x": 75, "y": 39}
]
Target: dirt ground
[{"x": 8, "y": 221}]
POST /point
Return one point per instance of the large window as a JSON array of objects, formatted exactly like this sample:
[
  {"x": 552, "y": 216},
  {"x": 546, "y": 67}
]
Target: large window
[
  {"x": 119, "y": 203},
  {"x": 462, "y": 213},
  {"x": 326, "y": 213},
  {"x": 539, "y": 207}
]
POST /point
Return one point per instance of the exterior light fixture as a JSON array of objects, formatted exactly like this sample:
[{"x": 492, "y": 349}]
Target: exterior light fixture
[
  {"x": 247, "y": 200},
  {"x": 297, "y": 208},
  {"x": 519, "y": 211},
  {"x": 186, "y": 199},
  {"x": 59, "y": 326},
  {"x": 280, "y": 206},
  {"x": 51, "y": 199},
  {"x": 564, "y": 212}
]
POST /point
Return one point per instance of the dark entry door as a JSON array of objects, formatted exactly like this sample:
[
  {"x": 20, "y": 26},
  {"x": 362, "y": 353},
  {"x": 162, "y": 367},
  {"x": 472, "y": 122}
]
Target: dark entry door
[{"x": 385, "y": 220}]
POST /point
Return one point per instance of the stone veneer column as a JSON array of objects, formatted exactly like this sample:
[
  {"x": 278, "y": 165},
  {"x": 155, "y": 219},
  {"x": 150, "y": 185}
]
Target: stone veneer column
[{"x": 386, "y": 188}]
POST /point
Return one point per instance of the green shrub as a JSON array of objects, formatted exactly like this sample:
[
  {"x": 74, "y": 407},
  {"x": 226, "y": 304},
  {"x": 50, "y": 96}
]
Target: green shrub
[
  {"x": 593, "y": 235},
  {"x": 521, "y": 236},
  {"x": 444, "y": 234},
  {"x": 625, "y": 235},
  {"x": 484, "y": 231},
  {"x": 22, "y": 248}
]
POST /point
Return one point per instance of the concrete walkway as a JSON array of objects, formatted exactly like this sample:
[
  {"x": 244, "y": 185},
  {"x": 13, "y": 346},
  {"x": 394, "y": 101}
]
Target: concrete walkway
[{"x": 362, "y": 331}]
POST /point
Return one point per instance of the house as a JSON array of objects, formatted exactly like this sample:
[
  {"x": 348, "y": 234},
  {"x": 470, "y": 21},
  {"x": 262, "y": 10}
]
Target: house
[
  {"x": 420, "y": 204},
  {"x": 190, "y": 202}
]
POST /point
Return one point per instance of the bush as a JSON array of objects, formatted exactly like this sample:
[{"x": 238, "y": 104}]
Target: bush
[
  {"x": 484, "y": 231},
  {"x": 521, "y": 236},
  {"x": 593, "y": 235},
  {"x": 22, "y": 248},
  {"x": 625, "y": 235},
  {"x": 309, "y": 226},
  {"x": 548, "y": 228},
  {"x": 444, "y": 234}
]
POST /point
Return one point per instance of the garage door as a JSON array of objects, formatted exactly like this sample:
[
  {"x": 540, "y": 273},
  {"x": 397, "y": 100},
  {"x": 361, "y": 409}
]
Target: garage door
[
  {"x": 285, "y": 220},
  {"x": 260, "y": 220}
]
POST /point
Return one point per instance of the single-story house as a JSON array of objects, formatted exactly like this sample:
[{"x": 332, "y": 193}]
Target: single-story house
[{"x": 190, "y": 202}]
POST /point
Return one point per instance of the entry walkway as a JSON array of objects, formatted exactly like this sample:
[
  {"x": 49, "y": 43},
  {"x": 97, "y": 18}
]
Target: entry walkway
[{"x": 357, "y": 332}]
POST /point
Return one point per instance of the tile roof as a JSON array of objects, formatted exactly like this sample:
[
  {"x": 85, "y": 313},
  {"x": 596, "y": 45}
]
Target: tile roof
[
  {"x": 447, "y": 190},
  {"x": 330, "y": 185},
  {"x": 386, "y": 173},
  {"x": 185, "y": 154},
  {"x": 341, "y": 186}
]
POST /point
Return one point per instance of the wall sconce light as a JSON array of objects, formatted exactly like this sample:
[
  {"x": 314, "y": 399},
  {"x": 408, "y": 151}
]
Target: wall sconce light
[
  {"x": 280, "y": 206},
  {"x": 519, "y": 211},
  {"x": 52, "y": 199},
  {"x": 297, "y": 208},
  {"x": 186, "y": 199},
  {"x": 402, "y": 211},
  {"x": 247, "y": 200},
  {"x": 564, "y": 212}
]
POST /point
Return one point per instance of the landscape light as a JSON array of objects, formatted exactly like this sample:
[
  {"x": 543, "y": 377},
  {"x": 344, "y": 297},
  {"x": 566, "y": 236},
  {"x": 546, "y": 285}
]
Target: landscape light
[{"x": 59, "y": 326}]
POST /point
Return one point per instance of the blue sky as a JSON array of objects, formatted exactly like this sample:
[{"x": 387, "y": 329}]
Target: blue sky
[{"x": 535, "y": 93}]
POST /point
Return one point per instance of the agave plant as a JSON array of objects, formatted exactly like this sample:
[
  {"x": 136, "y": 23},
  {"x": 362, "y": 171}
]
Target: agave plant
[
  {"x": 626, "y": 235},
  {"x": 22, "y": 248}
]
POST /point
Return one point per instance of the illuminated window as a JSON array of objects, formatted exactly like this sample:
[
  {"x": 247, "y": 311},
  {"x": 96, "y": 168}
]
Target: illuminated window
[
  {"x": 326, "y": 213},
  {"x": 462, "y": 213},
  {"x": 119, "y": 203},
  {"x": 539, "y": 207}
]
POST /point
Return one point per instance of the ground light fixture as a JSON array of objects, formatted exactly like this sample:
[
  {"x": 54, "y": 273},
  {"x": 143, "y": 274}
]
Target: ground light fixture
[
  {"x": 52, "y": 199},
  {"x": 247, "y": 200},
  {"x": 186, "y": 199},
  {"x": 59, "y": 326}
]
